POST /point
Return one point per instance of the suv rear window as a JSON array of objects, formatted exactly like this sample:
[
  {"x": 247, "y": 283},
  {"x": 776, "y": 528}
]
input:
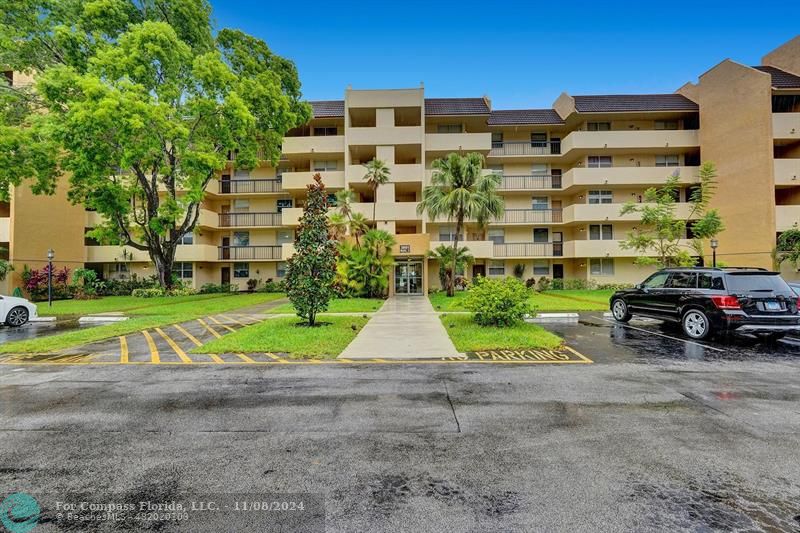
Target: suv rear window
[
  {"x": 757, "y": 283},
  {"x": 707, "y": 281}
]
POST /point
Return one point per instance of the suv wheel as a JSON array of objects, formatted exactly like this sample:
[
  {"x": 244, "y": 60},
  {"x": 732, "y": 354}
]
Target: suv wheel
[
  {"x": 17, "y": 317},
  {"x": 620, "y": 311},
  {"x": 696, "y": 324}
]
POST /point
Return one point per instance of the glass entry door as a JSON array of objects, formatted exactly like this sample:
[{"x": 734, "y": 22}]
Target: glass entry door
[{"x": 408, "y": 277}]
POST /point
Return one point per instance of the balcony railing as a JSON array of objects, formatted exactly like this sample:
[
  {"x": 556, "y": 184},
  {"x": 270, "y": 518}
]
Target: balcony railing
[
  {"x": 532, "y": 182},
  {"x": 249, "y": 186},
  {"x": 249, "y": 253},
  {"x": 531, "y": 216},
  {"x": 526, "y": 148},
  {"x": 529, "y": 249},
  {"x": 228, "y": 220}
]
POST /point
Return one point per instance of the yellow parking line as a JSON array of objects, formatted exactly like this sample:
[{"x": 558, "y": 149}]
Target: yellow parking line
[
  {"x": 188, "y": 335},
  {"x": 123, "y": 349},
  {"x": 274, "y": 357},
  {"x": 217, "y": 322},
  {"x": 244, "y": 358},
  {"x": 213, "y": 332},
  {"x": 233, "y": 320},
  {"x": 586, "y": 359},
  {"x": 174, "y": 346},
  {"x": 154, "y": 358}
]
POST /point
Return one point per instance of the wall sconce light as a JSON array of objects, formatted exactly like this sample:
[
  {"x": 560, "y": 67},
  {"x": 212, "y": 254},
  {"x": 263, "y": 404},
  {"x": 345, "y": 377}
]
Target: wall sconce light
[
  {"x": 606, "y": 218},
  {"x": 605, "y": 145},
  {"x": 605, "y": 182},
  {"x": 583, "y": 264},
  {"x": 580, "y": 197},
  {"x": 582, "y": 230}
]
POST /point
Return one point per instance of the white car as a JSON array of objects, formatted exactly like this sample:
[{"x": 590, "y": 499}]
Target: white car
[{"x": 15, "y": 312}]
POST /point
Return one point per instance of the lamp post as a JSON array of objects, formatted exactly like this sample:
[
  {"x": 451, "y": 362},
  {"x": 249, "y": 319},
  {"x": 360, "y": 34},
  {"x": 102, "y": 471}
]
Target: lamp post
[
  {"x": 714, "y": 245},
  {"x": 50, "y": 255}
]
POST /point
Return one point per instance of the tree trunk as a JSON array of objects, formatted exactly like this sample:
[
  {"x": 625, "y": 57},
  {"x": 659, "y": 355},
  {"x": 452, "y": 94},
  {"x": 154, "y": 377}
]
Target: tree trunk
[
  {"x": 451, "y": 286},
  {"x": 163, "y": 259},
  {"x": 375, "y": 205},
  {"x": 312, "y": 318}
]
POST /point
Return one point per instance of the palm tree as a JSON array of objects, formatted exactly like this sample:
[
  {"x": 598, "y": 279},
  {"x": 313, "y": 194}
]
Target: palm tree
[
  {"x": 356, "y": 222},
  {"x": 338, "y": 226},
  {"x": 444, "y": 255},
  {"x": 377, "y": 174},
  {"x": 460, "y": 190},
  {"x": 358, "y": 226}
]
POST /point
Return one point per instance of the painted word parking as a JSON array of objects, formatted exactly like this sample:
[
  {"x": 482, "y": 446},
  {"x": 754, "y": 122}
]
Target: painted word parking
[{"x": 564, "y": 355}]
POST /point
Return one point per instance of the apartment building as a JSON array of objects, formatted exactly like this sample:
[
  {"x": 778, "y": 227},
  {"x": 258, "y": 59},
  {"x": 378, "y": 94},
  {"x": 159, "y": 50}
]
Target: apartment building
[{"x": 566, "y": 172}]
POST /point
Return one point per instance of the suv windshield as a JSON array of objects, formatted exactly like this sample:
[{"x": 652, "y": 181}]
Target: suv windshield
[{"x": 757, "y": 283}]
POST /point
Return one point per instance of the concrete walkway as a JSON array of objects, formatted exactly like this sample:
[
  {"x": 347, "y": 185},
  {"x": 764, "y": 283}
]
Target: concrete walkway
[{"x": 406, "y": 327}]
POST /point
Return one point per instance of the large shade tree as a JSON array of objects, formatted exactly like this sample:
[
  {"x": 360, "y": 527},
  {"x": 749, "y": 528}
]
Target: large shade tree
[
  {"x": 140, "y": 104},
  {"x": 459, "y": 191}
]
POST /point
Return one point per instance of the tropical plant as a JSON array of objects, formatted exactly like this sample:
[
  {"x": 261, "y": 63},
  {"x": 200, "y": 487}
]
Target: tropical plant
[
  {"x": 84, "y": 280},
  {"x": 358, "y": 226},
  {"x": 498, "y": 302},
  {"x": 459, "y": 191},
  {"x": 377, "y": 174},
  {"x": 141, "y": 103},
  {"x": 311, "y": 270},
  {"x": 338, "y": 226},
  {"x": 364, "y": 270},
  {"x": 346, "y": 219},
  {"x": 657, "y": 236},
  {"x": 5, "y": 269},
  {"x": 443, "y": 254},
  {"x": 788, "y": 248},
  {"x": 519, "y": 270}
]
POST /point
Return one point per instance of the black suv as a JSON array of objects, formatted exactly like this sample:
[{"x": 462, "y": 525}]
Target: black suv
[{"x": 714, "y": 300}]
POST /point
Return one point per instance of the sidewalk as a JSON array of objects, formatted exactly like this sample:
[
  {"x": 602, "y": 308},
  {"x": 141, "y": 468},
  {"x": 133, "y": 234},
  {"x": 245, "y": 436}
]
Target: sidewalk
[{"x": 406, "y": 327}]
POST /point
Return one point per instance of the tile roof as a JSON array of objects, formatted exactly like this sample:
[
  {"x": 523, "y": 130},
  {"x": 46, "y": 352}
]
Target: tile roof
[
  {"x": 328, "y": 108},
  {"x": 456, "y": 106},
  {"x": 780, "y": 78},
  {"x": 524, "y": 116},
  {"x": 611, "y": 103}
]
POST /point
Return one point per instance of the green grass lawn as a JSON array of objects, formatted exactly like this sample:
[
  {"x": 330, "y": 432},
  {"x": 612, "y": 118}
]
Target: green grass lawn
[
  {"x": 340, "y": 305},
  {"x": 548, "y": 301},
  {"x": 471, "y": 337},
  {"x": 127, "y": 304},
  {"x": 186, "y": 308},
  {"x": 283, "y": 335}
]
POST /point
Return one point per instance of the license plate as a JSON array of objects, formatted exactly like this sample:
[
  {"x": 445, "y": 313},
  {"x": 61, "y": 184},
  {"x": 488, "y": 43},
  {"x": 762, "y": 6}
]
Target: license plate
[{"x": 772, "y": 306}]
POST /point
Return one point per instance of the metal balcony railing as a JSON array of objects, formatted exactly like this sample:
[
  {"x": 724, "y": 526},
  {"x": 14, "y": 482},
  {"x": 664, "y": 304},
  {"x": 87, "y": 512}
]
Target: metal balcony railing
[
  {"x": 531, "y": 216},
  {"x": 250, "y": 186},
  {"x": 532, "y": 182},
  {"x": 525, "y": 148},
  {"x": 227, "y": 220},
  {"x": 529, "y": 249},
  {"x": 249, "y": 253}
]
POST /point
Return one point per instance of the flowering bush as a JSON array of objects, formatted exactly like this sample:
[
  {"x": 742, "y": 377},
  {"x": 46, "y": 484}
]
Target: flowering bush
[{"x": 35, "y": 282}]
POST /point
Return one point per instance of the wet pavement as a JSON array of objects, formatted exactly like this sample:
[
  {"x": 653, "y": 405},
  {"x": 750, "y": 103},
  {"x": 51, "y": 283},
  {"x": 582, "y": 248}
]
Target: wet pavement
[{"x": 32, "y": 330}]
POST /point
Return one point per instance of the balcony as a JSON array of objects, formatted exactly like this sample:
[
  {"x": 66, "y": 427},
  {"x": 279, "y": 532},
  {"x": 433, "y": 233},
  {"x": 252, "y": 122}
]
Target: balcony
[
  {"x": 635, "y": 176},
  {"x": 455, "y": 142},
  {"x": 511, "y": 148},
  {"x": 786, "y": 216},
  {"x": 605, "y": 248},
  {"x": 250, "y": 186},
  {"x": 249, "y": 220},
  {"x": 530, "y": 216},
  {"x": 317, "y": 144},
  {"x": 249, "y": 253},
  {"x": 528, "y": 249},
  {"x": 478, "y": 249},
  {"x": 529, "y": 183},
  {"x": 125, "y": 254},
  {"x": 786, "y": 126},
  {"x": 290, "y": 216},
  {"x": 603, "y": 212},
  {"x": 384, "y": 135},
  {"x": 298, "y": 181},
  {"x": 630, "y": 140},
  {"x": 787, "y": 172}
]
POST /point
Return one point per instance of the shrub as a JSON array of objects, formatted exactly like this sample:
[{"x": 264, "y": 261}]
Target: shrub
[
  {"x": 124, "y": 287},
  {"x": 274, "y": 286},
  {"x": 84, "y": 282},
  {"x": 519, "y": 270},
  {"x": 222, "y": 288},
  {"x": 530, "y": 282},
  {"x": 498, "y": 302},
  {"x": 544, "y": 284},
  {"x": 579, "y": 284},
  {"x": 557, "y": 284},
  {"x": 35, "y": 282},
  {"x": 147, "y": 293},
  {"x": 616, "y": 286},
  {"x": 181, "y": 291},
  {"x": 252, "y": 284}
]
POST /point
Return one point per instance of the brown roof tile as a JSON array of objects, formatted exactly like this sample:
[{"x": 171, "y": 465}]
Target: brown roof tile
[
  {"x": 780, "y": 78},
  {"x": 610, "y": 103},
  {"x": 456, "y": 106},
  {"x": 524, "y": 116},
  {"x": 328, "y": 108}
]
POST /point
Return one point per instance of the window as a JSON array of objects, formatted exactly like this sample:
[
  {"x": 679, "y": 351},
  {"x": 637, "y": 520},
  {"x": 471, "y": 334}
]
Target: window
[
  {"x": 667, "y": 160},
  {"x": 497, "y": 139},
  {"x": 600, "y": 232},
  {"x": 497, "y": 268},
  {"x": 325, "y": 165},
  {"x": 541, "y": 235},
  {"x": 539, "y": 203},
  {"x": 241, "y": 206},
  {"x": 666, "y": 125},
  {"x": 188, "y": 238},
  {"x": 656, "y": 281},
  {"x": 707, "y": 281},
  {"x": 539, "y": 139},
  {"x": 600, "y": 161},
  {"x": 241, "y": 174},
  {"x": 283, "y": 204},
  {"x": 682, "y": 280},
  {"x": 539, "y": 169},
  {"x": 182, "y": 270},
  {"x": 122, "y": 268},
  {"x": 541, "y": 268},
  {"x": 449, "y": 128},
  {"x": 325, "y": 130},
  {"x": 497, "y": 236},
  {"x": 281, "y": 269},
  {"x": 601, "y": 197},
  {"x": 598, "y": 126},
  {"x": 601, "y": 266},
  {"x": 241, "y": 238},
  {"x": 285, "y": 235},
  {"x": 447, "y": 233},
  {"x": 241, "y": 270}
]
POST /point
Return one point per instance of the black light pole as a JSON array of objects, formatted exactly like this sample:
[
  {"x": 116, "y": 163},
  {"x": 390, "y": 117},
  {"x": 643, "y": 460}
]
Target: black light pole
[
  {"x": 714, "y": 244},
  {"x": 50, "y": 255}
]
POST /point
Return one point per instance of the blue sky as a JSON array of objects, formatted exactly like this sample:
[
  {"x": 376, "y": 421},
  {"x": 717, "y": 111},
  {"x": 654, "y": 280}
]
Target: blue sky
[{"x": 520, "y": 54}]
